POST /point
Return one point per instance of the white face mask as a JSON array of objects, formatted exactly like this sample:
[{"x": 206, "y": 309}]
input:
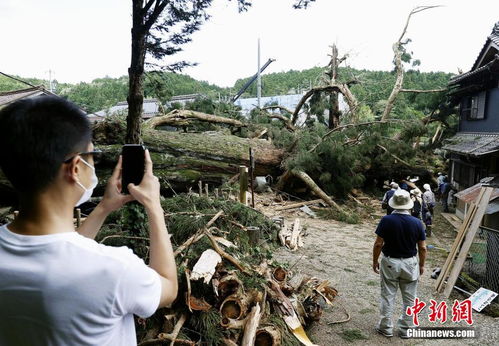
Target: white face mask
[{"x": 87, "y": 193}]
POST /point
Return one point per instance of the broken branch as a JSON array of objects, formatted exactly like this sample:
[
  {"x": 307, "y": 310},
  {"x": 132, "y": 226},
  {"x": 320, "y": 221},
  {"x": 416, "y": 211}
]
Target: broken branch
[
  {"x": 198, "y": 235},
  {"x": 224, "y": 254},
  {"x": 183, "y": 117}
]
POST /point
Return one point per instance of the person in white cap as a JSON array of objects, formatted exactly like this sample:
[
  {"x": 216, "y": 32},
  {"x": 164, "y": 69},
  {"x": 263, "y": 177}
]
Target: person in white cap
[
  {"x": 397, "y": 236},
  {"x": 429, "y": 198},
  {"x": 418, "y": 210}
]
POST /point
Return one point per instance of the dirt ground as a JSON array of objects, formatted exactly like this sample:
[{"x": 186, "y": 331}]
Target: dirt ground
[{"x": 342, "y": 253}]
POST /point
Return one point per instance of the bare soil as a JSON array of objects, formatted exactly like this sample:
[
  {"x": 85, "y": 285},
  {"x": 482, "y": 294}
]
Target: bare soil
[{"x": 342, "y": 254}]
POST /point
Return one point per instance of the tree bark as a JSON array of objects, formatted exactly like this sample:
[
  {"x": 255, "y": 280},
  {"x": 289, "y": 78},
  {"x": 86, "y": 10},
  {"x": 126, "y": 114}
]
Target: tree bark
[
  {"x": 135, "y": 97},
  {"x": 334, "y": 108},
  {"x": 315, "y": 188},
  {"x": 268, "y": 336},
  {"x": 399, "y": 68},
  {"x": 235, "y": 306},
  {"x": 182, "y": 159},
  {"x": 251, "y": 326}
]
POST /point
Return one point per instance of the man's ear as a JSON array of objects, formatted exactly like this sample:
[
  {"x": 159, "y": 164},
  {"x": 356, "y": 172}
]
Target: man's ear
[{"x": 72, "y": 169}]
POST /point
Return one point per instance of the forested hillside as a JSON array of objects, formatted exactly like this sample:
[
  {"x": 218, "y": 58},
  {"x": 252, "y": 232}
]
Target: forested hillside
[{"x": 373, "y": 86}]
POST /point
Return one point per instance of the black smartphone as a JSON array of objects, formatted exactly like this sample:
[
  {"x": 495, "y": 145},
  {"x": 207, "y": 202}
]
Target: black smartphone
[{"x": 133, "y": 165}]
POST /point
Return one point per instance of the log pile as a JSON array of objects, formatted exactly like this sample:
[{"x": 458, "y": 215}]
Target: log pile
[{"x": 230, "y": 292}]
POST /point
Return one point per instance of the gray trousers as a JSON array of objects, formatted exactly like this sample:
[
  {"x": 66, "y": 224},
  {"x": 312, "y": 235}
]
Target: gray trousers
[{"x": 394, "y": 273}]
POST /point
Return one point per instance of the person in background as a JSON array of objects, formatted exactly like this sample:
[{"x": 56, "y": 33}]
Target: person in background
[
  {"x": 384, "y": 203},
  {"x": 440, "y": 182},
  {"x": 429, "y": 198},
  {"x": 419, "y": 208},
  {"x": 444, "y": 192},
  {"x": 430, "y": 202},
  {"x": 403, "y": 185},
  {"x": 397, "y": 236}
]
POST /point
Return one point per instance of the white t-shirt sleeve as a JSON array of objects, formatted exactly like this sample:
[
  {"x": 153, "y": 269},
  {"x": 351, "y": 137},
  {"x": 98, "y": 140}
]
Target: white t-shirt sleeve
[{"x": 139, "y": 289}]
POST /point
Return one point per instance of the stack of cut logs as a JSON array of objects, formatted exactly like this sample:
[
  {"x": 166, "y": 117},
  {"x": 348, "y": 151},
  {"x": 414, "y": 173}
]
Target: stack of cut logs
[{"x": 247, "y": 315}]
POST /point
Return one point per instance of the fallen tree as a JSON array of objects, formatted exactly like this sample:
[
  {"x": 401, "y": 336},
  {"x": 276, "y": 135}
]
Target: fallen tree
[{"x": 182, "y": 159}]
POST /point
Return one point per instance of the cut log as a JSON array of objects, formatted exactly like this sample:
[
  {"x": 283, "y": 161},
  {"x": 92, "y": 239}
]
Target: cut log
[
  {"x": 229, "y": 285},
  {"x": 251, "y": 326},
  {"x": 231, "y": 323},
  {"x": 280, "y": 274},
  {"x": 268, "y": 336},
  {"x": 235, "y": 306}
]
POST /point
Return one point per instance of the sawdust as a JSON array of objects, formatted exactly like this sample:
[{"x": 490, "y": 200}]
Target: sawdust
[{"x": 342, "y": 253}]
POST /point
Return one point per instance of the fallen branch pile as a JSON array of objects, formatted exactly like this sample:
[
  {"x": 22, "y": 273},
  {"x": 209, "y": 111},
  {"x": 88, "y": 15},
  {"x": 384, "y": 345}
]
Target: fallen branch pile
[{"x": 231, "y": 292}]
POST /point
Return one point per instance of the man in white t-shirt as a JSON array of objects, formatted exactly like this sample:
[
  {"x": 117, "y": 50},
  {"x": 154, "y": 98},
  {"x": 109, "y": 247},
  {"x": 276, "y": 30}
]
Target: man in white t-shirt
[{"x": 57, "y": 285}]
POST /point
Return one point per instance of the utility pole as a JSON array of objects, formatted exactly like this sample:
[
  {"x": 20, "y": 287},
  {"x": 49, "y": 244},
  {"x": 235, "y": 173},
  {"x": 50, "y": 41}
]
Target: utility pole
[
  {"x": 259, "y": 80},
  {"x": 51, "y": 88}
]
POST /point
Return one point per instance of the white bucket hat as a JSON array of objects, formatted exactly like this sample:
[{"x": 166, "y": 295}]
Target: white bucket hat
[
  {"x": 401, "y": 200},
  {"x": 416, "y": 192},
  {"x": 394, "y": 185},
  {"x": 427, "y": 187}
]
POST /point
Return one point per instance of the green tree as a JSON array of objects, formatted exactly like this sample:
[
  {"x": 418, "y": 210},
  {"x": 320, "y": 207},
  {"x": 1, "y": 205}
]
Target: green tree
[{"x": 160, "y": 28}]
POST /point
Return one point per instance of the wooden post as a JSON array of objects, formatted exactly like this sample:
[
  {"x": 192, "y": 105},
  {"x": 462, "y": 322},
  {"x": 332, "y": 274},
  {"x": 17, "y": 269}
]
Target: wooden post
[
  {"x": 206, "y": 190},
  {"x": 216, "y": 193},
  {"x": 78, "y": 217},
  {"x": 243, "y": 184},
  {"x": 252, "y": 170},
  {"x": 200, "y": 184}
]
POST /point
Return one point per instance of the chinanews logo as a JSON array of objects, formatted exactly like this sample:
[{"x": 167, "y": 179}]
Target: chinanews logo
[{"x": 438, "y": 313}]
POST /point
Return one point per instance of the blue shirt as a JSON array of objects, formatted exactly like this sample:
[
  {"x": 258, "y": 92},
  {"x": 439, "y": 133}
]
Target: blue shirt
[{"x": 401, "y": 233}]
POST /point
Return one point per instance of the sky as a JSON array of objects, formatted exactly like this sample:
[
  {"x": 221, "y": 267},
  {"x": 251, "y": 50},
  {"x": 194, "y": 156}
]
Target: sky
[{"x": 83, "y": 40}]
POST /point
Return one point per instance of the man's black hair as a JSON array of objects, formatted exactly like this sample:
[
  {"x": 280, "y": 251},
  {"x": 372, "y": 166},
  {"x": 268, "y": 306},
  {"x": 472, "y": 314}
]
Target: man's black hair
[{"x": 38, "y": 134}]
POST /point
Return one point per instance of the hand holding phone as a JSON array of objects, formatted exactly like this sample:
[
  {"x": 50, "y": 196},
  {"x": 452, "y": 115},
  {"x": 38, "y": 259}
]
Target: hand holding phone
[
  {"x": 133, "y": 165},
  {"x": 147, "y": 192}
]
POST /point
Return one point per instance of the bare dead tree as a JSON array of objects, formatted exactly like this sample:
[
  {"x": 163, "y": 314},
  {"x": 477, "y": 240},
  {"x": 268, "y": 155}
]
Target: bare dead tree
[{"x": 398, "y": 51}]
